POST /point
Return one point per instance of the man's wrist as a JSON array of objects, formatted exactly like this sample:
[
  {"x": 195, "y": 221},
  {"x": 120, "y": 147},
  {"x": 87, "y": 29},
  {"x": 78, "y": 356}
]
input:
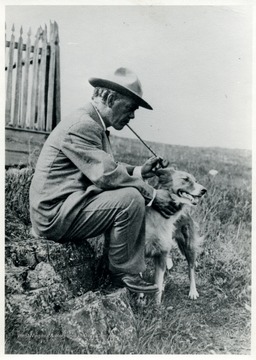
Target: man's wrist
[
  {"x": 153, "y": 198},
  {"x": 137, "y": 171}
]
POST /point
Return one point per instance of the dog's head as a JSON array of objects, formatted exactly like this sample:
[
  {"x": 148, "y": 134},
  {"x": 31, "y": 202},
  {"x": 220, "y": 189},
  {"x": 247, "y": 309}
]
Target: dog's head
[{"x": 182, "y": 186}]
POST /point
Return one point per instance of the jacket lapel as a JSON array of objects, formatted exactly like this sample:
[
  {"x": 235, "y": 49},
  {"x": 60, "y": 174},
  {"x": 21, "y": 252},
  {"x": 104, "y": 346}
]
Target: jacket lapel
[{"x": 89, "y": 108}]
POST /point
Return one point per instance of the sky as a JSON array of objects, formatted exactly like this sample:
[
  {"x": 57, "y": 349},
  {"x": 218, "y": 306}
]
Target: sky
[{"x": 194, "y": 63}]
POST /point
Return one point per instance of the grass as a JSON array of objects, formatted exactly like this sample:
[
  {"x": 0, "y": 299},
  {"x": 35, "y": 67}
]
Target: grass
[{"x": 219, "y": 321}]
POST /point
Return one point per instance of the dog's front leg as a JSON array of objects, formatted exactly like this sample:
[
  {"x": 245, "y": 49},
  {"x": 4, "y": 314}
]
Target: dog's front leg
[
  {"x": 187, "y": 238},
  {"x": 160, "y": 267},
  {"x": 193, "y": 294}
]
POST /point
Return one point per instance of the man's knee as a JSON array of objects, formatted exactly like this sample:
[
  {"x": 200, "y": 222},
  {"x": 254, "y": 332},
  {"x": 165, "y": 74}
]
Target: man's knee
[
  {"x": 131, "y": 207},
  {"x": 131, "y": 197}
]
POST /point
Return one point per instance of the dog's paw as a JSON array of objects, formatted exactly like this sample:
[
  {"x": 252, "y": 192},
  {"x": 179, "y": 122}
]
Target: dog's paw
[
  {"x": 193, "y": 294},
  {"x": 158, "y": 297}
]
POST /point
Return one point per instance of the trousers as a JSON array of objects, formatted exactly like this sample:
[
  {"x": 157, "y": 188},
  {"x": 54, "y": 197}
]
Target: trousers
[{"x": 121, "y": 212}]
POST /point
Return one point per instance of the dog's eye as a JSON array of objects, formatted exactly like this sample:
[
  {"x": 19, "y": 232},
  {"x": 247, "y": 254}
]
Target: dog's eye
[{"x": 186, "y": 179}]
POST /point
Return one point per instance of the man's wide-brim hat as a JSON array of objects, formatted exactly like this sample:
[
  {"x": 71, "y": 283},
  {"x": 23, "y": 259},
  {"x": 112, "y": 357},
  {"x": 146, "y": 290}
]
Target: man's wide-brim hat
[{"x": 125, "y": 82}]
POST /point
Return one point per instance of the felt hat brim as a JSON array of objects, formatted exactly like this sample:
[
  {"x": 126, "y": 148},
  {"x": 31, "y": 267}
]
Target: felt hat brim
[{"x": 97, "y": 82}]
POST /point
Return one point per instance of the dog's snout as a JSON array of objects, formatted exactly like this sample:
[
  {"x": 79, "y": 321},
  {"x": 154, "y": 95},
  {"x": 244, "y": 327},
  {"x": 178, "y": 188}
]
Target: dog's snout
[{"x": 203, "y": 191}]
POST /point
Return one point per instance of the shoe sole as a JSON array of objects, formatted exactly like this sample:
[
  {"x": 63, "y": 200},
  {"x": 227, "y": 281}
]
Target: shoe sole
[
  {"x": 142, "y": 291},
  {"x": 122, "y": 285}
]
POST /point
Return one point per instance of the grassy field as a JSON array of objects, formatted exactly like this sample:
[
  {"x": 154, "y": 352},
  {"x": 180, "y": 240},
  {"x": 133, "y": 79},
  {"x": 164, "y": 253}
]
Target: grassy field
[{"x": 219, "y": 322}]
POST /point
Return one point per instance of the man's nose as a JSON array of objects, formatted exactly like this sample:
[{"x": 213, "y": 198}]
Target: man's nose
[{"x": 132, "y": 116}]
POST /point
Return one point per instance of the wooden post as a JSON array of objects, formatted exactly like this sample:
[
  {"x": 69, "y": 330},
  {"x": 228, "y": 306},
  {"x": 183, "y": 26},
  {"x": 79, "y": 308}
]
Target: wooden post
[
  {"x": 57, "y": 76},
  {"x": 17, "y": 102},
  {"x": 25, "y": 83},
  {"x": 35, "y": 102},
  {"x": 8, "y": 104},
  {"x": 42, "y": 74},
  {"x": 49, "y": 121},
  {"x": 33, "y": 111}
]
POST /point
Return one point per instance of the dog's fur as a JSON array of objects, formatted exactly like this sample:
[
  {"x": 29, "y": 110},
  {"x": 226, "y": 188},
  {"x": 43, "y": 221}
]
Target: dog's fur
[{"x": 163, "y": 234}]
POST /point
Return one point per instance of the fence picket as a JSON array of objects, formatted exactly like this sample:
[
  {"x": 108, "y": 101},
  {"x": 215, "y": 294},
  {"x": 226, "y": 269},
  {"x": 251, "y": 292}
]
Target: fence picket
[
  {"x": 8, "y": 104},
  {"x": 42, "y": 73},
  {"x": 50, "y": 97},
  {"x": 32, "y": 92},
  {"x": 25, "y": 82},
  {"x": 33, "y": 111},
  {"x": 17, "y": 102},
  {"x": 57, "y": 77}
]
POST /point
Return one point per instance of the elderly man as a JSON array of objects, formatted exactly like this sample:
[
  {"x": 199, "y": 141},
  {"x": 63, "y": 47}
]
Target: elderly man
[{"x": 79, "y": 191}]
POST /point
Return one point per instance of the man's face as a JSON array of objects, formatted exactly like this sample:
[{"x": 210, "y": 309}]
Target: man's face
[{"x": 122, "y": 112}]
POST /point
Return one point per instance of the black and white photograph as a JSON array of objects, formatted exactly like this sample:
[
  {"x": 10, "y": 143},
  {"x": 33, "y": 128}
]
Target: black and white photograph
[{"x": 127, "y": 153}]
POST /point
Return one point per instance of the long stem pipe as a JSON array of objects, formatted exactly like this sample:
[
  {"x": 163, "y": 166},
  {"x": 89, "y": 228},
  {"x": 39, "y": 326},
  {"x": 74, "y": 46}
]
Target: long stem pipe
[{"x": 162, "y": 162}]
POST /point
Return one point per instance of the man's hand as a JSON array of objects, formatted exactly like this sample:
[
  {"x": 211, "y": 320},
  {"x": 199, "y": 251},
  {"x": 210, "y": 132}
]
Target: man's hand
[
  {"x": 149, "y": 167},
  {"x": 164, "y": 204}
]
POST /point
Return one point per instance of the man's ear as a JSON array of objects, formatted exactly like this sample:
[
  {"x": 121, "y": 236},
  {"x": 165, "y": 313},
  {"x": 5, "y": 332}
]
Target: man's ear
[{"x": 110, "y": 100}]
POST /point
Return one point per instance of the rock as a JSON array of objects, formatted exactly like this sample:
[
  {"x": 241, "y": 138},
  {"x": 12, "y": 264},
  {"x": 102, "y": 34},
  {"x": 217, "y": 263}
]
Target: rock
[
  {"x": 41, "y": 252},
  {"x": 75, "y": 264},
  {"x": 119, "y": 317},
  {"x": 17, "y": 183},
  {"x": 23, "y": 253},
  {"x": 94, "y": 322},
  {"x": 213, "y": 172},
  {"x": 42, "y": 276},
  {"x": 85, "y": 322},
  {"x": 15, "y": 278},
  {"x": 38, "y": 303},
  {"x": 48, "y": 294},
  {"x": 49, "y": 288}
]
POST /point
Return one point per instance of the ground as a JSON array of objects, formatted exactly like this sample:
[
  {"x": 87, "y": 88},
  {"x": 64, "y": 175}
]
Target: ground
[{"x": 219, "y": 321}]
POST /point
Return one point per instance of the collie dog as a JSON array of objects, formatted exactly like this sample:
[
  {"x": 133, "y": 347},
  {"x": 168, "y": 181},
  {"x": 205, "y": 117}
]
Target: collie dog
[{"x": 163, "y": 234}]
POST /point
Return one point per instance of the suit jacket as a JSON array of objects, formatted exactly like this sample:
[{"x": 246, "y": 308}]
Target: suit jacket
[{"x": 76, "y": 162}]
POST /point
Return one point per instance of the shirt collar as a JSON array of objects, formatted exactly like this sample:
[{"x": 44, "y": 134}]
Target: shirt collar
[{"x": 97, "y": 111}]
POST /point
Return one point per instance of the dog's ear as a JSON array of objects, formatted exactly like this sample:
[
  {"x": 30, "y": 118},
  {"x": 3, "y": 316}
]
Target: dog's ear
[
  {"x": 160, "y": 172},
  {"x": 163, "y": 172},
  {"x": 165, "y": 176},
  {"x": 172, "y": 169},
  {"x": 173, "y": 166}
]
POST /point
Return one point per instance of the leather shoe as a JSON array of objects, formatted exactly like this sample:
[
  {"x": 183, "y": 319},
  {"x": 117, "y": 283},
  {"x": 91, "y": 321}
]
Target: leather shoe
[{"x": 134, "y": 283}]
